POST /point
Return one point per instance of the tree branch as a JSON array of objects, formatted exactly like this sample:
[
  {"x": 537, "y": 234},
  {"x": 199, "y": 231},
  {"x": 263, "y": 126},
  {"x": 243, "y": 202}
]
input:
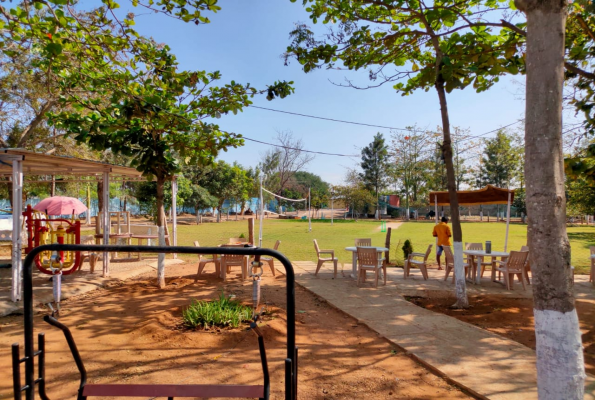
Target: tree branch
[
  {"x": 28, "y": 131},
  {"x": 567, "y": 65},
  {"x": 585, "y": 27}
]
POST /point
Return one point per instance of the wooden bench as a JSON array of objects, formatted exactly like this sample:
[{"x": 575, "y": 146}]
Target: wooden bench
[{"x": 172, "y": 391}]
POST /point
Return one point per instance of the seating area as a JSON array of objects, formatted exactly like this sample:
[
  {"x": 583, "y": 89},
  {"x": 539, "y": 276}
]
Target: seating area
[
  {"x": 223, "y": 263},
  {"x": 367, "y": 258}
]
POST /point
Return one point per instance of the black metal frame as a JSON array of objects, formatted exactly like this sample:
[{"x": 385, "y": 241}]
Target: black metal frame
[{"x": 30, "y": 353}]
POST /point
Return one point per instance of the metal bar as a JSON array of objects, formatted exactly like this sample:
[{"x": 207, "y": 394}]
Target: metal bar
[
  {"x": 288, "y": 380},
  {"x": 265, "y": 367},
  {"x": 73, "y": 349},
  {"x": 16, "y": 372},
  {"x": 261, "y": 216},
  {"x": 41, "y": 366},
  {"x": 295, "y": 372},
  {"x": 291, "y": 365}
]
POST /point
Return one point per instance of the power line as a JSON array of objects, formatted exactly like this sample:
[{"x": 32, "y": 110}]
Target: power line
[
  {"x": 330, "y": 119},
  {"x": 295, "y": 148}
]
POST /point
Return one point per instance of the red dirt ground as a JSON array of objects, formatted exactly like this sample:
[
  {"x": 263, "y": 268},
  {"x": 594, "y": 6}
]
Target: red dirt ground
[
  {"x": 131, "y": 332},
  {"x": 513, "y": 318}
]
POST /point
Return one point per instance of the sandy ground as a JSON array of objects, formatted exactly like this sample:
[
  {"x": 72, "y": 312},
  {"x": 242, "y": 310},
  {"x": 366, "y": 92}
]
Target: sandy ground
[
  {"x": 488, "y": 312},
  {"x": 130, "y": 332}
]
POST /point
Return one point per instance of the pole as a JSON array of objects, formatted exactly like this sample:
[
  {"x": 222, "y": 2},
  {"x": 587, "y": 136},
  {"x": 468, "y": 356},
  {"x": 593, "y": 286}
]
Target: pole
[
  {"x": 507, "y": 221},
  {"x": 106, "y": 222},
  {"x": 261, "y": 216},
  {"x": 332, "y": 209},
  {"x": 17, "y": 209},
  {"x": 88, "y": 204},
  {"x": 436, "y": 211},
  {"x": 309, "y": 212},
  {"x": 174, "y": 212}
]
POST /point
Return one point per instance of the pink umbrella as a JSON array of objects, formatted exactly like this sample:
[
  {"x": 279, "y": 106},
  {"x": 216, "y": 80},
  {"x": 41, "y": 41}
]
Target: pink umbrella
[{"x": 59, "y": 205}]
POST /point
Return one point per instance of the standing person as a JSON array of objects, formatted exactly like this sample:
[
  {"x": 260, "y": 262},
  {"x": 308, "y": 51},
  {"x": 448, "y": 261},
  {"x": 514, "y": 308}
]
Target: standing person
[{"x": 442, "y": 232}]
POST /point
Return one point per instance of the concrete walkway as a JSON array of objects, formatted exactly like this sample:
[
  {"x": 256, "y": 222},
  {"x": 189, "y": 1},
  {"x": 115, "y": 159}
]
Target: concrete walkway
[
  {"x": 82, "y": 281},
  {"x": 487, "y": 365}
]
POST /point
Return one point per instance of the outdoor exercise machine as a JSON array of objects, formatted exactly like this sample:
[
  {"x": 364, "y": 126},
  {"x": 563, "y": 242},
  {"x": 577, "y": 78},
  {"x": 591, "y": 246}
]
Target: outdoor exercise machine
[
  {"x": 41, "y": 231},
  {"x": 169, "y": 391}
]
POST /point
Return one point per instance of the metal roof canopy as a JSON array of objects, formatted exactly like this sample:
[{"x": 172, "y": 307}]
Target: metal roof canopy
[
  {"x": 15, "y": 163},
  {"x": 45, "y": 164},
  {"x": 488, "y": 195}
]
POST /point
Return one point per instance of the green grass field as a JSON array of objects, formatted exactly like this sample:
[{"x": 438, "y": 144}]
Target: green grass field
[{"x": 296, "y": 241}]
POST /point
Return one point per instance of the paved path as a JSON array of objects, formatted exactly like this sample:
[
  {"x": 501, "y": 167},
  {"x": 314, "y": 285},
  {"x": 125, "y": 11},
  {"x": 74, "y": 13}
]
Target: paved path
[{"x": 486, "y": 364}]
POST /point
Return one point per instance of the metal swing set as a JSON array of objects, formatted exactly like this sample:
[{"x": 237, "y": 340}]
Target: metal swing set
[{"x": 169, "y": 391}]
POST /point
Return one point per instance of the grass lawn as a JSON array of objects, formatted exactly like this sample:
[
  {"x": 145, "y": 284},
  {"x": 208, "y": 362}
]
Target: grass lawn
[{"x": 296, "y": 241}]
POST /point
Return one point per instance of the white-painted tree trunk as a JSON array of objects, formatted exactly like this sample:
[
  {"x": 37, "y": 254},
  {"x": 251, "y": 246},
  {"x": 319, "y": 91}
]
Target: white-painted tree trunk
[
  {"x": 560, "y": 362},
  {"x": 460, "y": 283},
  {"x": 161, "y": 259}
]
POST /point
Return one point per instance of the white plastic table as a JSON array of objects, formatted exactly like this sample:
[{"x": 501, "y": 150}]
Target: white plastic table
[
  {"x": 479, "y": 256},
  {"x": 353, "y": 250}
]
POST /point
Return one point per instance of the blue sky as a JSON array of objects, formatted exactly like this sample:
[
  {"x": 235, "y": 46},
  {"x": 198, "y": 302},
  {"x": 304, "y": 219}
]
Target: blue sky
[{"x": 245, "y": 41}]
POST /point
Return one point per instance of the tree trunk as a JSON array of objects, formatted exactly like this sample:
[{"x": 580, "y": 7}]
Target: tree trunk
[
  {"x": 560, "y": 363},
  {"x": 161, "y": 230},
  {"x": 99, "y": 195},
  {"x": 457, "y": 233}
]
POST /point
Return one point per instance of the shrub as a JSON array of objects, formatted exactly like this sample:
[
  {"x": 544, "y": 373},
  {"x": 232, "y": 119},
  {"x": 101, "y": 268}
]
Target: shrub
[
  {"x": 407, "y": 249},
  {"x": 223, "y": 312},
  {"x": 242, "y": 236}
]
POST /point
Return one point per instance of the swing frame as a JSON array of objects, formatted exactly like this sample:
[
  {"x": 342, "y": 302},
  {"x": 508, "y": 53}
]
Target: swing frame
[{"x": 123, "y": 390}]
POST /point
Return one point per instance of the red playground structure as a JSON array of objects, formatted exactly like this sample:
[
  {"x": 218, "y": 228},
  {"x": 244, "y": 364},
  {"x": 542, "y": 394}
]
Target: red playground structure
[{"x": 42, "y": 230}]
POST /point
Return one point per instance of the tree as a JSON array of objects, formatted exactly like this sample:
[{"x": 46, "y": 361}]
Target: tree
[
  {"x": 356, "y": 197},
  {"x": 411, "y": 151},
  {"x": 443, "y": 45},
  {"x": 201, "y": 199},
  {"x": 141, "y": 105},
  {"x": 375, "y": 166},
  {"x": 219, "y": 181},
  {"x": 146, "y": 194},
  {"x": 498, "y": 163},
  {"x": 580, "y": 180},
  {"x": 280, "y": 164},
  {"x": 560, "y": 364}
]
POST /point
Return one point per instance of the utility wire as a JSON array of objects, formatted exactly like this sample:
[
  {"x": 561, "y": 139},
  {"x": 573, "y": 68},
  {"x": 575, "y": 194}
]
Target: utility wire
[
  {"x": 330, "y": 119},
  {"x": 295, "y": 148}
]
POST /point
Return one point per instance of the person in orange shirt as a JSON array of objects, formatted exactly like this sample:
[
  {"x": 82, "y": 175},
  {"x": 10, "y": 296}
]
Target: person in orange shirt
[{"x": 442, "y": 232}]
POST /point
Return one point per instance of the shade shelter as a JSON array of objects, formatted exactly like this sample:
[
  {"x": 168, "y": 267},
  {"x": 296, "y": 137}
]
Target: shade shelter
[
  {"x": 488, "y": 195},
  {"x": 17, "y": 163}
]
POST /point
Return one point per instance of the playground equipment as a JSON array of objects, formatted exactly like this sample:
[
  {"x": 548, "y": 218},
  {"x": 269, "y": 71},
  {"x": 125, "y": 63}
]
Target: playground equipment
[
  {"x": 41, "y": 231},
  {"x": 169, "y": 391}
]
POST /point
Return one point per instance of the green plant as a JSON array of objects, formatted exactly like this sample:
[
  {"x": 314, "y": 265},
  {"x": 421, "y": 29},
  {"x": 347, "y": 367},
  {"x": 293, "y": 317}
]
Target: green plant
[
  {"x": 242, "y": 236},
  {"x": 223, "y": 312},
  {"x": 407, "y": 249}
]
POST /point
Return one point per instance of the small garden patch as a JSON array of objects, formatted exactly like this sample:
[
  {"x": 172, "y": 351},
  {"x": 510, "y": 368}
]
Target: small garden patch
[{"x": 223, "y": 312}]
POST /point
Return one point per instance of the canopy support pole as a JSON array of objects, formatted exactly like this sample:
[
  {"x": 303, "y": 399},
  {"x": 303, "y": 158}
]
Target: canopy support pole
[
  {"x": 17, "y": 208},
  {"x": 106, "y": 222},
  {"x": 174, "y": 212},
  {"x": 88, "y": 204},
  {"x": 436, "y": 212},
  {"x": 507, "y": 222},
  {"x": 261, "y": 216}
]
